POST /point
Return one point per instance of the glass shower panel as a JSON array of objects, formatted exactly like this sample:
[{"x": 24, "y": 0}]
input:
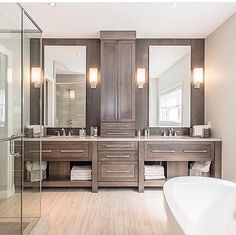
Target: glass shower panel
[
  {"x": 31, "y": 198},
  {"x": 19, "y": 194},
  {"x": 10, "y": 117}
]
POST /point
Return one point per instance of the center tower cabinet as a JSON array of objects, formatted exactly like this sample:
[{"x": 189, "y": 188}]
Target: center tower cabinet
[{"x": 118, "y": 83}]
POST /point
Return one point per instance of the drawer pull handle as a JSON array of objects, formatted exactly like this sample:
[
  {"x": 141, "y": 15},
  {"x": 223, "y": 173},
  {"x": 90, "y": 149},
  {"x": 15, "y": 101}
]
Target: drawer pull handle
[
  {"x": 117, "y": 171},
  {"x": 72, "y": 151},
  {"x": 118, "y": 146},
  {"x": 38, "y": 151},
  {"x": 117, "y": 156},
  {"x": 114, "y": 125},
  {"x": 117, "y": 133},
  {"x": 163, "y": 151},
  {"x": 195, "y": 151}
]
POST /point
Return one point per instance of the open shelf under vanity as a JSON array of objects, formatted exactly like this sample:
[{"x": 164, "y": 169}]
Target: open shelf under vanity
[{"x": 120, "y": 163}]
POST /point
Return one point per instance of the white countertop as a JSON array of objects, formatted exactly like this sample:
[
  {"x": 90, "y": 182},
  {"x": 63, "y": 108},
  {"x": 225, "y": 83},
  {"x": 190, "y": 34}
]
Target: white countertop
[{"x": 142, "y": 138}]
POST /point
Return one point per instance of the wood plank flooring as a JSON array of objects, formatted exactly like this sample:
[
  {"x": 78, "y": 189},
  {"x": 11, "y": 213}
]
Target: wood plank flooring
[{"x": 109, "y": 212}]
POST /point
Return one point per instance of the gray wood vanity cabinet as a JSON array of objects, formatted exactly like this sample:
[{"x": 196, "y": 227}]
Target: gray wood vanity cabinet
[
  {"x": 117, "y": 83},
  {"x": 119, "y": 162},
  {"x": 177, "y": 155}
]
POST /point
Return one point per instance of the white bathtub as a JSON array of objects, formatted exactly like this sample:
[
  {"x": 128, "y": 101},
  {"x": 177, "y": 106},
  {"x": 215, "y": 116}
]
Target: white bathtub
[{"x": 200, "y": 206}]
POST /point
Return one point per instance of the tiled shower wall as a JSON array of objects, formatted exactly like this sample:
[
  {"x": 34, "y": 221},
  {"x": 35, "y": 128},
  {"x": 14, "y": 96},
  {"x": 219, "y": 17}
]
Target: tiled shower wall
[{"x": 71, "y": 109}]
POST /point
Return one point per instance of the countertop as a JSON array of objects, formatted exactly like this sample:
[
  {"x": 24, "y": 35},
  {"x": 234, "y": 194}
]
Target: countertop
[{"x": 142, "y": 138}]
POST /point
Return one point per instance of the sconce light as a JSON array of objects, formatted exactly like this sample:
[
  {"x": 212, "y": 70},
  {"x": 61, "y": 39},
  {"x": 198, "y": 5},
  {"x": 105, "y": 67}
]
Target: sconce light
[
  {"x": 140, "y": 77},
  {"x": 197, "y": 77},
  {"x": 36, "y": 76},
  {"x": 93, "y": 77},
  {"x": 71, "y": 94},
  {"x": 9, "y": 75}
]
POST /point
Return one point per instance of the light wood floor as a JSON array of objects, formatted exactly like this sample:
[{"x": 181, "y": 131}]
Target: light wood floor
[{"x": 109, "y": 212}]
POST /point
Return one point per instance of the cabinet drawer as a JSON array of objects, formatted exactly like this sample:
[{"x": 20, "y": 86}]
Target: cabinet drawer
[
  {"x": 32, "y": 150},
  {"x": 115, "y": 126},
  {"x": 58, "y": 151},
  {"x": 117, "y": 171},
  {"x": 117, "y": 156},
  {"x": 117, "y": 133},
  {"x": 118, "y": 145},
  {"x": 74, "y": 150},
  {"x": 179, "y": 151}
]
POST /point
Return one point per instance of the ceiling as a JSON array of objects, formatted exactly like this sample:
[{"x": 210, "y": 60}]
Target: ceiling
[
  {"x": 162, "y": 58},
  {"x": 150, "y": 20}
]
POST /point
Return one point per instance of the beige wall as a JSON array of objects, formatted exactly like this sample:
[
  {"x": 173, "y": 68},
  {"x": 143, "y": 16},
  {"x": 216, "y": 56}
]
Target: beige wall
[{"x": 221, "y": 91}]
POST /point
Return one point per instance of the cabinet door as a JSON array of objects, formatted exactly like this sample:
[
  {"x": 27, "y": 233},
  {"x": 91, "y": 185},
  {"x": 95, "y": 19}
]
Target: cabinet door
[
  {"x": 126, "y": 81},
  {"x": 109, "y": 71}
]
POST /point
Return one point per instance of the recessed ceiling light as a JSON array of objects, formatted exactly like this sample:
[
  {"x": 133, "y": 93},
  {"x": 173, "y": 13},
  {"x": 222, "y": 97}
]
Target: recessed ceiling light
[
  {"x": 174, "y": 4},
  {"x": 52, "y": 4}
]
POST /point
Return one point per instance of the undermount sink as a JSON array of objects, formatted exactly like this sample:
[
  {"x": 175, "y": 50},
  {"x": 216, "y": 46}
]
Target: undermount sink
[
  {"x": 172, "y": 137},
  {"x": 62, "y": 137}
]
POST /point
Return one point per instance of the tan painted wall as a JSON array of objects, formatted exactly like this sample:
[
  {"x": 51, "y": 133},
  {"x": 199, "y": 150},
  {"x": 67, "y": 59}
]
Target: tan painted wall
[{"x": 220, "y": 96}]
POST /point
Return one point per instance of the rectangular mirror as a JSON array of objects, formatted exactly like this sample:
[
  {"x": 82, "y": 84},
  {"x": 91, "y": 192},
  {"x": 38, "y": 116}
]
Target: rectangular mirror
[
  {"x": 65, "y": 86},
  {"x": 169, "y": 86}
]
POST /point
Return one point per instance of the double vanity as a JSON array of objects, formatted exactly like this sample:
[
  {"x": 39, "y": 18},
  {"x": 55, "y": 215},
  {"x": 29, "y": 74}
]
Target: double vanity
[
  {"x": 120, "y": 85},
  {"x": 119, "y": 162}
]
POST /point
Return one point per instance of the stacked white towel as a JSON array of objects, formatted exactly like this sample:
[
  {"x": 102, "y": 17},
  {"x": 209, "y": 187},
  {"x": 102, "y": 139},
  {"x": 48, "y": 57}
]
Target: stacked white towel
[
  {"x": 81, "y": 173},
  {"x": 154, "y": 172}
]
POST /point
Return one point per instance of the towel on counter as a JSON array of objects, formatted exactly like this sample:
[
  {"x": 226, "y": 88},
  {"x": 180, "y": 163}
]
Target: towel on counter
[
  {"x": 37, "y": 129},
  {"x": 198, "y": 130}
]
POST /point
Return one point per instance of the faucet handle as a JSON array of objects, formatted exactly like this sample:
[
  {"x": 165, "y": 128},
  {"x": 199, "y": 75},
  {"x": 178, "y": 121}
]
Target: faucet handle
[
  {"x": 70, "y": 133},
  {"x": 163, "y": 133},
  {"x": 58, "y": 133}
]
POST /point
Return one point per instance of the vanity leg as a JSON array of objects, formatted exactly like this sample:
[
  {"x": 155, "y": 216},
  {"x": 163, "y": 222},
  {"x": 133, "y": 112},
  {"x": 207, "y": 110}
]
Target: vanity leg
[
  {"x": 217, "y": 164},
  {"x": 94, "y": 167},
  {"x": 141, "y": 157}
]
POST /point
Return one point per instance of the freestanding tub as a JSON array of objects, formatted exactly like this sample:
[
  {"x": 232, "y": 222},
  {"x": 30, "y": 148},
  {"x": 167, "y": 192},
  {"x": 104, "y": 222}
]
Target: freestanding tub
[{"x": 200, "y": 206}]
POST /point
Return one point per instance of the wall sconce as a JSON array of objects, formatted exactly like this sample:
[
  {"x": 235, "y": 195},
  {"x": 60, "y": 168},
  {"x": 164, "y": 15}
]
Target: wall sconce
[
  {"x": 71, "y": 94},
  {"x": 93, "y": 77},
  {"x": 197, "y": 77},
  {"x": 36, "y": 76},
  {"x": 9, "y": 75},
  {"x": 140, "y": 77}
]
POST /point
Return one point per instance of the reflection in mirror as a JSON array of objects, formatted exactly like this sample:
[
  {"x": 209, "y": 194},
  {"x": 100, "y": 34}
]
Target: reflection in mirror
[
  {"x": 169, "y": 86},
  {"x": 65, "y": 86}
]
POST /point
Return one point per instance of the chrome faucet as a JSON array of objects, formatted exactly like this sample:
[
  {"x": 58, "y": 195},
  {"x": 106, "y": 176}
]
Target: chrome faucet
[
  {"x": 171, "y": 132},
  {"x": 70, "y": 133},
  {"x": 57, "y": 133},
  {"x": 63, "y": 132}
]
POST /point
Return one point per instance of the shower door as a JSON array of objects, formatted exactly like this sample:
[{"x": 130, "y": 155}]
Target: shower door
[{"x": 19, "y": 203}]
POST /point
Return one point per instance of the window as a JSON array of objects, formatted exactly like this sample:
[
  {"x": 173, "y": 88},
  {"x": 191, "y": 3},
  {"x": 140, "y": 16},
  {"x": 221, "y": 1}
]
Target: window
[{"x": 171, "y": 107}]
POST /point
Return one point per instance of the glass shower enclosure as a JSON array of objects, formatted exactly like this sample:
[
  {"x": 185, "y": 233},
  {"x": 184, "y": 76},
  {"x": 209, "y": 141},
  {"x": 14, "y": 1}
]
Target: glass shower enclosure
[{"x": 19, "y": 192}]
